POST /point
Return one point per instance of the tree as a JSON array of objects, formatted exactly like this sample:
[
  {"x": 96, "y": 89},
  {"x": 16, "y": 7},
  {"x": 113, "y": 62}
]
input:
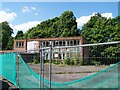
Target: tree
[
  {"x": 100, "y": 29},
  {"x": 62, "y": 26},
  {"x": 10, "y": 43},
  {"x": 6, "y": 35},
  {"x": 19, "y": 35}
]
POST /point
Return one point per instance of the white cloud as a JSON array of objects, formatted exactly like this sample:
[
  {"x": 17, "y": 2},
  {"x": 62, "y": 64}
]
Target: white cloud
[
  {"x": 9, "y": 17},
  {"x": 25, "y": 9},
  {"x": 25, "y": 26},
  {"x": 33, "y": 8},
  {"x": 28, "y": 9},
  {"x": 8, "y": 9},
  {"x": 84, "y": 19},
  {"x": 108, "y": 15},
  {"x": 36, "y": 13}
]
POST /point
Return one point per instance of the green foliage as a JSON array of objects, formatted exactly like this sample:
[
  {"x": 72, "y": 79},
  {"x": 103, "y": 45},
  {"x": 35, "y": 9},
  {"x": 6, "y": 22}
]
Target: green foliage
[
  {"x": 81, "y": 62},
  {"x": 72, "y": 62},
  {"x": 46, "y": 61},
  {"x": 67, "y": 61},
  {"x": 100, "y": 29},
  {"x": 19, "y": 35},
  {"x": 95, "y": 62},
  {"x": 7, "y": 40},
  {"x": 62, "y": 26},
  {"x": 76, "y": 59},
  {"x": 10, "y": 43},
  {"x": 57, "y": 62},
  {"x": 35, "y": 61}
]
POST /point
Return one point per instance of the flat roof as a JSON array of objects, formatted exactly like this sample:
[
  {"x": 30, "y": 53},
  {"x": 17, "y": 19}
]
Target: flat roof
[{"x": 50, "y": 39}]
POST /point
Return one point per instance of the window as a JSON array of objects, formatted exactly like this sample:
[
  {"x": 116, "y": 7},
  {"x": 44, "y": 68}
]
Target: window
[
  {"x": 63, "y": 42},
  {"x": 47, "y": 43},
  {"x": 77, "y": 42},
  {"x": 20, "y": 44},
  {"x": 56, "y": 43}
]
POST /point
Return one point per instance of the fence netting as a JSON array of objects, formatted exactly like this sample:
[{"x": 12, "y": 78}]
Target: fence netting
[
  {"x": 103, "y": 79},
  {"x": 8, "y": 66},
  {"x": 59, "y": 65}
]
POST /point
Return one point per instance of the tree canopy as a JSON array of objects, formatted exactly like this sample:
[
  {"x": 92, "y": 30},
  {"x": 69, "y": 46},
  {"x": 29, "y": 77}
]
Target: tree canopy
[
  {"x": 99, "y": 30},
  {"x": 19, "y": 35},
  {"x": 64, "y": 25},
  {"x": 7, "y": 40}
]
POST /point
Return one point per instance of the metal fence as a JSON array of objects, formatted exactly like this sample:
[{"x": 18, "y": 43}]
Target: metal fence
[
  {"x": 60, "y": 64},
  {"x": 66, "y": 63}
]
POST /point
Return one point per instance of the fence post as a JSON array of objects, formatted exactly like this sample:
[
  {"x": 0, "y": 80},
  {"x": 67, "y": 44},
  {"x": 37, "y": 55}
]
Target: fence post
[
  {"x": 50, "y": 66},
  {"x": 17, "y": 69},
  {"x": 40, "y": 69},
  {"x": 43, "y": 70}
]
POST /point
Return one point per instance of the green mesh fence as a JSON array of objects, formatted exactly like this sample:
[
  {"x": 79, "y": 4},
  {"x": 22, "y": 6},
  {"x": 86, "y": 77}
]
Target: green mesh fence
[
  {"x": 8, "y": 69},
  {"x": 0, "y": 64},
  {"x": 103, "y": 79},
  {"x": 27, "y": 78}
]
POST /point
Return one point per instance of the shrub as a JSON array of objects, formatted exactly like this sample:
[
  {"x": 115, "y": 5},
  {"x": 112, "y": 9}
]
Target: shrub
[
  {"x": 94, "y": 62},
  {"x": 56, "y": 62},
  {"x": 72, "y": 62},
  {"x": 76, "y": 59},
  {"x": 36, "y": 61},
  {"x": 46, "y": 61},
  {"x": 80, "y": 61},
  {"x": 66, "y": 61}
]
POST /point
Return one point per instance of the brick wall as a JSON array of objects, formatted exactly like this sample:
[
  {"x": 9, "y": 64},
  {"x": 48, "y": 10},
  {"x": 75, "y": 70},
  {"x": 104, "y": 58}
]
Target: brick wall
[
  {"x": 20, "y": 48},
  {"x": 84, "y": 50}
]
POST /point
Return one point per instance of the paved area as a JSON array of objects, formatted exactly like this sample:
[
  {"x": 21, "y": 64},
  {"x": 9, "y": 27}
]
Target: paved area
[{"x": 67, "y": 73}]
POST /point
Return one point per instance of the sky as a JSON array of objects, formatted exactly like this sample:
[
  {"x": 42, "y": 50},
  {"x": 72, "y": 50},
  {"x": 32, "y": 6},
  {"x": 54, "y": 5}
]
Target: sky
[{"x": 25, "y": 15}]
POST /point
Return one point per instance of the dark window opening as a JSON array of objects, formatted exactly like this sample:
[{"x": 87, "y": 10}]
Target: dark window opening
[{"x": 19, "y": 44}]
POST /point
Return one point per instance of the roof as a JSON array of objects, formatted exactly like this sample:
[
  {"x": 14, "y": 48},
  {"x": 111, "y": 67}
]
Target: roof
[{"x": 49, "y": 39}]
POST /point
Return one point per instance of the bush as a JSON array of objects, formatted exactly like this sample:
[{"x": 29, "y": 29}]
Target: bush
[
  {"x": 36, "y": 61},
  {"x": 80, "y": 61},
  {"x": 46, "y": 61},
  {"x": 66, "y": 61},
  {"x": 72, "y": 62},
  {"x": 94, "y": 62},
  {"x": 56, "y": 62},
  {"x": 76, "y": 59}
]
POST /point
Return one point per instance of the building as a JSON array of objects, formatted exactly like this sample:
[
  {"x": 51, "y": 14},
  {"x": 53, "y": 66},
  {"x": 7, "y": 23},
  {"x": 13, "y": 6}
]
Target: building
[{"x": 35, "y": 44}]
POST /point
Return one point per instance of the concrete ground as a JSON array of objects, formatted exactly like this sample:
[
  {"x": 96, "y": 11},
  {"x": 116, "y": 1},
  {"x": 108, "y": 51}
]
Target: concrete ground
[{"x": 67, "y": 73}]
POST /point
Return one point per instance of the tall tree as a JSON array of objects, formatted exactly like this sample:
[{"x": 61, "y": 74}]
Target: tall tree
[
  {"x": 64, "y": 25},
  {"x": 100, "y": 29},
  {"x": 6, "y": 35}
]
